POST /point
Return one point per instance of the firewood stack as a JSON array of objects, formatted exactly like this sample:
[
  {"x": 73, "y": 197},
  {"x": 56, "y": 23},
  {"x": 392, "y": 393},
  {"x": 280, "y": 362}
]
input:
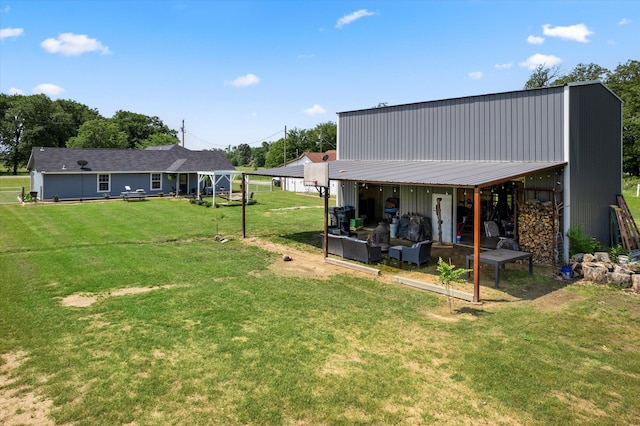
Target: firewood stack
[{"x": 537, "y": 230}]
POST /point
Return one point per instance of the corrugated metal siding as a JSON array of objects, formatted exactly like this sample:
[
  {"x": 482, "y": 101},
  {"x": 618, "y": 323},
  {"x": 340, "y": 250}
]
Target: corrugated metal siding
[
  {"x": 516, "y": 126},
  {"x": 595, "y": 157}
]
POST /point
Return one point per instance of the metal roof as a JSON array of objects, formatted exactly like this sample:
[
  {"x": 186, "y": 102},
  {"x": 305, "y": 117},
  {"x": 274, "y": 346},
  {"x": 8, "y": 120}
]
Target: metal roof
[{"x": 427, "y": 173}]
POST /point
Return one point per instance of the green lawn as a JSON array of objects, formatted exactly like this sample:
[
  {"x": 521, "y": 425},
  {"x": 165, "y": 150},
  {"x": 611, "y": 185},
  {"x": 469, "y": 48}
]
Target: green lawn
[{"x": 221, "y": 338}]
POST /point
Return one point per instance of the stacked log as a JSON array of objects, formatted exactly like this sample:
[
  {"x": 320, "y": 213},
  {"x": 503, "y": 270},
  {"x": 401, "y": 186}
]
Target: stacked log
[{"x": 537, "y": 230}]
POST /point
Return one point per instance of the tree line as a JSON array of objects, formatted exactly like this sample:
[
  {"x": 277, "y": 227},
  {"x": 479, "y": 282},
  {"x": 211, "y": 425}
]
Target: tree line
[
  {"x": 36, "y": 120},
  {"x": 624, "y": 81},
  {"x": 321, "y": 138}
]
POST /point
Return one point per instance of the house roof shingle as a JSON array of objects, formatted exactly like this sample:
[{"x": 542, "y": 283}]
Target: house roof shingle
[{"x": 167, "y": 158}]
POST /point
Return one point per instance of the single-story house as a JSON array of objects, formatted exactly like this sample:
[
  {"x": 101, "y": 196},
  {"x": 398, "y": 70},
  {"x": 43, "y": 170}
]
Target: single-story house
[
  {"x": 552, "y": 156},
  {"x": 92, "y": 173},
  {"x": 295, "y": 184}
]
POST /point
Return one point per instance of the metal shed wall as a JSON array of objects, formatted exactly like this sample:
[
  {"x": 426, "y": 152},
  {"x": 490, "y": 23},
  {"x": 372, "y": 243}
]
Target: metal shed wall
[
  {"x": 595, "y": 157},
  {"x": 513, "y": 126}
]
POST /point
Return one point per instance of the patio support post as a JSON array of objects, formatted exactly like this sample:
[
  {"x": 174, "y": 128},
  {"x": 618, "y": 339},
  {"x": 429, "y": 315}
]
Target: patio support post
[
  {"x": 244, "y": 233},
  {"x": 476, "y": 244},
  {"x": 326, "y": 220}
]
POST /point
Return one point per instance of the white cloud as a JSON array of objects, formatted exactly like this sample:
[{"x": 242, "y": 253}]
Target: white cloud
[
  {"x": 539, "y": 59},
  {"x": 624, "y": 21},
  {"x": 47, "y": 89},
  {"x": 504, "y": 66},
  {"x": 15, "y": 91},
  {"x": 315, "y": 110},
  {"x": 535, "y": 40},
  {"x": 5, "y": 9},
  {"x": 306, "y": 56},
  {"x": 475, "y": 75},
  {"x": 245, "y": 80},
  {"x": 578, "y": 32},
  {"x": 10, "y": 32},
  {"x": 347, "y": 19},
  {"x": 70, "y": 44}
]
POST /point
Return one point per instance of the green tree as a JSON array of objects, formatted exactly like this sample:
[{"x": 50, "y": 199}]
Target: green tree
[
  {"x": 259, "y": 154},
  {"x": 158, "y": 139},
  {"x": 625, "y": 82},
  {"x": 99, "y": 133},
  {"x": 67, "y": 118},
  {"x": 542, "y": 76},
  {"x": 139, "y": 127},
  {"x": 26, "y": 122},
  {"x": 582, "y": 72},
  {"x": 243, "y": 154},
  {"x": 275, "y": 155},
  {"x": 325, "y": 136}
]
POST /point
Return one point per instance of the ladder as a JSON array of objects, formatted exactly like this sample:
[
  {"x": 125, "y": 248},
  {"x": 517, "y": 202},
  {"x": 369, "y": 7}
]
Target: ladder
[{"x": 629, "y": 233}]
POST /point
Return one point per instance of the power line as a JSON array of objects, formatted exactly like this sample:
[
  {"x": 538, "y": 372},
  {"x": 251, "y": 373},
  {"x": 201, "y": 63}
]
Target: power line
[{"x": 224, "y": 146}]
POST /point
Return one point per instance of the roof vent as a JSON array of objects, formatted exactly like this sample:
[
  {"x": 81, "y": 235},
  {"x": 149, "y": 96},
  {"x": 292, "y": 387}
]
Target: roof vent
[
  {"x": 41, "y": 148},
  {"x": 64, "y": 167}
]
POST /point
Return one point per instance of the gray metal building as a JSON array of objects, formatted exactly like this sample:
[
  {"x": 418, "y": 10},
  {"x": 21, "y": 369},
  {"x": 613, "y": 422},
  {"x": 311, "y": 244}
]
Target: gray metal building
[
  {"x": 559, "y": 144},
  {"x": 575, "y": 127}
]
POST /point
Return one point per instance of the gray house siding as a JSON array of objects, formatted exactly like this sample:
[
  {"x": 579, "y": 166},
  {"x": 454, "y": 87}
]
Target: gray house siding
[
  {"x": 595, "y": 157},
  {"x": 516, "y": 126},
  {"x": 85, "y": 186},
  {"x": 64, "y": 186}
]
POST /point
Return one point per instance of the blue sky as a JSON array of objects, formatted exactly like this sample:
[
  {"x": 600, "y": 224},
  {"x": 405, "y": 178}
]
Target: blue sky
[{"x": 240, "y": 71}]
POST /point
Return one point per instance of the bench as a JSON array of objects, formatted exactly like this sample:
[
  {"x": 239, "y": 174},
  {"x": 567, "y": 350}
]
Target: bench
[{"x": 129, "y": 194}]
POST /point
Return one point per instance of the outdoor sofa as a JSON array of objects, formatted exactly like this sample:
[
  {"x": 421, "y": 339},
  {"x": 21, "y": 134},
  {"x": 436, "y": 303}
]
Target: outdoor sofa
[{"x": 354, "y": 249}]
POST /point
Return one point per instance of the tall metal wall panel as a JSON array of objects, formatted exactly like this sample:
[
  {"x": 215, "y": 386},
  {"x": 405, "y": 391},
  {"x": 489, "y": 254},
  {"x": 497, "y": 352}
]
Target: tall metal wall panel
[
  {"x": 595, "y": 157},
  {"x": 515, "y": 126}
]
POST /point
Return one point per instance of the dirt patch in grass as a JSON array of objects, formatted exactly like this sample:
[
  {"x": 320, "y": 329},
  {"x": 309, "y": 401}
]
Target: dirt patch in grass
[
  {"x": 555, "y": 300},
  {"x": 303, "y": 264},
  {"x": 19, "y": 405},
  {"x": 84, "y": 300}
]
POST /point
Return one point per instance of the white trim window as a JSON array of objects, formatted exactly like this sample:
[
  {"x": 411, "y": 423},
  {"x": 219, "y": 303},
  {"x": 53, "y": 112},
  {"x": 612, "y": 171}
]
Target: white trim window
[
  {"x": 156, "y": 181},
  {"x": 104, "y": 182}
]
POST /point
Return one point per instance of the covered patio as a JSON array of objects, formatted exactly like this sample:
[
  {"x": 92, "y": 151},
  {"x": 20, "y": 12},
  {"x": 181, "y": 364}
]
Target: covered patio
[{"x": 434, "y": 176}]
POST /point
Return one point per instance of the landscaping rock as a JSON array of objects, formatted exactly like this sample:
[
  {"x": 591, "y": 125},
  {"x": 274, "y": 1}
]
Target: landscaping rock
[
  {"x": 599, "y": 269},
  {"x": 623, "y": 280},
  {"x": 594, "y": 272},
  {"x": 602, "y": 257}
]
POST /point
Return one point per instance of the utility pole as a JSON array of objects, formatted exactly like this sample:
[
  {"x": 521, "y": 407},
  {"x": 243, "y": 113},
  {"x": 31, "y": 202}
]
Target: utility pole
[
  {"x": 283, "y": 183},
  {"x": 284, "y": 159},
  {"x": 182, "y": 130}
]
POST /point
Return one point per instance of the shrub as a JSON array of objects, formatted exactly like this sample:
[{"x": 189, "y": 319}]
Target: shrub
[
  {"x": 579, "y": 242},
  {"x": 616, "y": 251}
]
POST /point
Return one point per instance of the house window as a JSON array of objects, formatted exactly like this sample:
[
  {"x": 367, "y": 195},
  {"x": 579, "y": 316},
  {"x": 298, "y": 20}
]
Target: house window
[
  {"x": 156, "y": 181},
  {"x": 104, "y": 183}
]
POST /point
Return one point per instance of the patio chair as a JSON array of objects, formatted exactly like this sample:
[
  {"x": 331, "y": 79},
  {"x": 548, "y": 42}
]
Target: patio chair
[{"x": 419, "y": 253}]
